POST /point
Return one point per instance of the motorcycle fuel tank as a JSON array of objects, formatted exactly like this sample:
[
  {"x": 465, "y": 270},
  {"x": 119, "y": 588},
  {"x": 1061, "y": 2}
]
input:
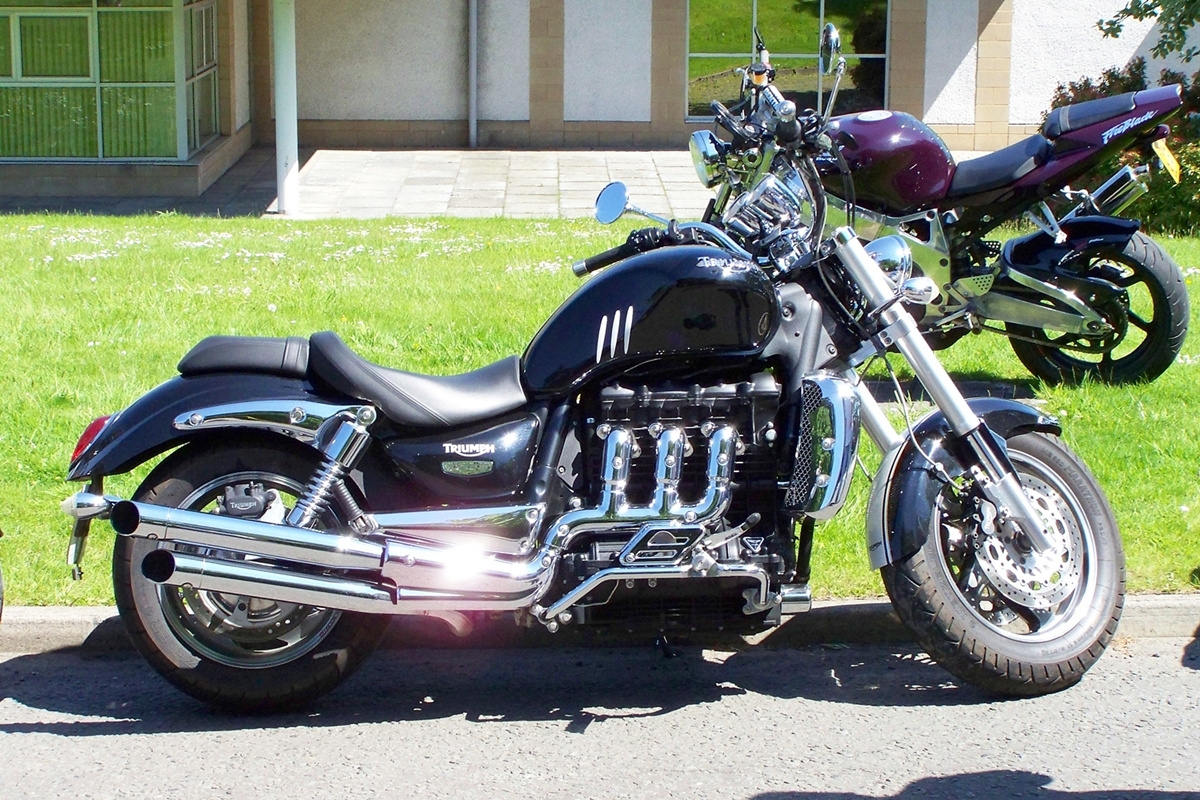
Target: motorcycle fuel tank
[
  {"x": 677, "y": 303},
  {"x": 899, "y": 165}
]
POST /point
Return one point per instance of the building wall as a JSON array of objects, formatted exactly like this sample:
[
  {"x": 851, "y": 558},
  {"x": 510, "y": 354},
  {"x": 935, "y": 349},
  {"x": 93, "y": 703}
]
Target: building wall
[
  {"x": 950, "y": 61},
  {"x": 1052, "y": 42},
  {"x": 504, "y": 60},
  {"x": 607, "y": 47}
]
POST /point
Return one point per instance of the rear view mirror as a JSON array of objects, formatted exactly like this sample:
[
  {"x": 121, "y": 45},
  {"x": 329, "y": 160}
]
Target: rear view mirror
[
  {"x": 611, "y": 203},
  {"x": 831, "y": 48}
]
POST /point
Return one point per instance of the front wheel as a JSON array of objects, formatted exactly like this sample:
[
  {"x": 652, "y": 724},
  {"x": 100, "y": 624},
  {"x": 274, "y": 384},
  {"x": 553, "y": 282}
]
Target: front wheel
[
  {"x": 1002, "y": 618},
  {"x": 241, "y": 653},
  {"x": 1148, "y": 328}
]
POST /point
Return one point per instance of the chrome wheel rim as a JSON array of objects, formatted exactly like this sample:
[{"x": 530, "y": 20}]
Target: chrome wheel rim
[
  {"x": 986, "y": 602},
  {"x": 239, "y": 631}
]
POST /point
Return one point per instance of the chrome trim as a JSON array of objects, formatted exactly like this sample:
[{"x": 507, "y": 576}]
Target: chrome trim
[
  {"x": 673, "y": 572},
  {"x": 505, "y": 530},
  {"x": 834, "y": 444},
  {"x": 795, "y": 598},
  {"x": 298, "y": 418},
  {"x": 88, "y": 506}
]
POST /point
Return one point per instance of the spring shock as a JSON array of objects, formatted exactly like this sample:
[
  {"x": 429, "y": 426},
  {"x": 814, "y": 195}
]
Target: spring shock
[{"x": 341, "y": 450}]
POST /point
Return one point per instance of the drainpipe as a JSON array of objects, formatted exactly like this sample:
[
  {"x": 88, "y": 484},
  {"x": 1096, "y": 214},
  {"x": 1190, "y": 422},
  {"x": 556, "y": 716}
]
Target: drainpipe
[
  {"x": 287, "y": 148},
  {"x": 473, "y": 73}
]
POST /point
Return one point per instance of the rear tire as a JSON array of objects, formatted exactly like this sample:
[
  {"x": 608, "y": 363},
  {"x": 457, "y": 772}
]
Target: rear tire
[
  {"x": 241, "y": 654},
  {"x": 1158, "y": 322},
  {"x": 959, "y": 617}
]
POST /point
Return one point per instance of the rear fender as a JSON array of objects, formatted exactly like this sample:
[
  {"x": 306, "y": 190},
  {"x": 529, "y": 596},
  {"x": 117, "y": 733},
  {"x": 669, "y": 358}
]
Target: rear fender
[
  {"x": 1039, "y": 252},
  {"x": 906, "y": 488},
  {"x": 183, "y": 409}
]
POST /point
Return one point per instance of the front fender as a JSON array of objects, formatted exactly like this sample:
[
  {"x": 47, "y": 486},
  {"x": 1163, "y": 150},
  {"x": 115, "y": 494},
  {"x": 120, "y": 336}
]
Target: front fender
[
  {"x": 905, "y": 488},
  {"x": 183, "y": 408}
]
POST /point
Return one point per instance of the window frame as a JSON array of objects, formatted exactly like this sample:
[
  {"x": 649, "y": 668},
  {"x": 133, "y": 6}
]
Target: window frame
[
  {"x": 749, "y": 55},
  {"x": 188, "y": 141}
]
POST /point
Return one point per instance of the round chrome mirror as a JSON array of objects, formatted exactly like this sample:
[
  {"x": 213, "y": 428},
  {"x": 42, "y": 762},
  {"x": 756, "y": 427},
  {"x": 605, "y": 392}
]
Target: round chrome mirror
[
  {"x": 611, "y": 203},
  {"x": 831, "y": 48}
]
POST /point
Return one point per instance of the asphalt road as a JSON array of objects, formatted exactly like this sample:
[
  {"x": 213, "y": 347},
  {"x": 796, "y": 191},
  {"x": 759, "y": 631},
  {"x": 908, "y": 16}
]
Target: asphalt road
[{"x": 817, "y": 722}]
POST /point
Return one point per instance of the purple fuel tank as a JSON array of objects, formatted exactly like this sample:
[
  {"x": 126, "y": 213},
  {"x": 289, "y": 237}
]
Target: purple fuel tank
[{"x": 900, "y": 166}]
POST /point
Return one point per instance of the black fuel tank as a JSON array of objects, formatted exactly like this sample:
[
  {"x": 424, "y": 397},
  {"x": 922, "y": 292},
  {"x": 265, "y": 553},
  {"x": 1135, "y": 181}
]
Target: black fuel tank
[{"x": 675, "y": 303}]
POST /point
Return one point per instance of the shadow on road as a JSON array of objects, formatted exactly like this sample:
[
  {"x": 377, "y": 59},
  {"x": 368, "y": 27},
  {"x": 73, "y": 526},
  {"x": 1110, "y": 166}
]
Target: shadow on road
[
  {"x": 1191, "y": 653},
  {"x": 117, "y": 693},
  {"x": 997, "y": 783}
]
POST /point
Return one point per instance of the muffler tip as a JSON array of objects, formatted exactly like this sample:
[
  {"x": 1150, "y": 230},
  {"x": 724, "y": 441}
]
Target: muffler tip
[
  {"x": 158, "y": 566},
  {"x": 124, "y": 517}
]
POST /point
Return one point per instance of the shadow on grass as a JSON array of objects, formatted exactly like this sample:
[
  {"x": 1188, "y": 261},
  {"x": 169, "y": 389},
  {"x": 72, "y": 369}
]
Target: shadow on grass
[
  {"x": 995, "y": 783},
  {"x": 116, "y": 692}
]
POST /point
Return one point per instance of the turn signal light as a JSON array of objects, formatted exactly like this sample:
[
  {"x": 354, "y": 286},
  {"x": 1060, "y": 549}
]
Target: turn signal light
[{"x": 89, "y": 435}]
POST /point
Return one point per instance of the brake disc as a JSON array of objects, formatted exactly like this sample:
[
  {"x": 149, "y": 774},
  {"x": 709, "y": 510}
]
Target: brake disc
[{"x": 1031, "y": 579}]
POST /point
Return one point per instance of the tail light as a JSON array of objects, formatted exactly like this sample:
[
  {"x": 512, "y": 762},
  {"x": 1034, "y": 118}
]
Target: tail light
[{"x": 89, "y": 435}]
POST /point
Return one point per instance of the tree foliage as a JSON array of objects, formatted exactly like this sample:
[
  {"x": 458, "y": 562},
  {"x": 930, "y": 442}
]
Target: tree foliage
[{"x": 1175, "y": 19}]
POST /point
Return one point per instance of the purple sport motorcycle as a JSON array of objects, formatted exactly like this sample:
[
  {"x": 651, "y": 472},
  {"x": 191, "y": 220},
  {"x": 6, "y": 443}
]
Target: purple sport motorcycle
[{"x": 1087, "y": 295}]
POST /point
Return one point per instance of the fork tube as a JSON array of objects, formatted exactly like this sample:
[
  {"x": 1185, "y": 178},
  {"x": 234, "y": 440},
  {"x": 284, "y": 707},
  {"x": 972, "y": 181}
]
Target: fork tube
[
  {"x": 909, "y": 342},
  {"x": 999, "y": 480},
  {"x": 878, "y": 426}
]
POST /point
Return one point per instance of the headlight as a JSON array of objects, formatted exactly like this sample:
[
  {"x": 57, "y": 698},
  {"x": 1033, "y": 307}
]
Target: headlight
[
  {"x": 708, "y": 156},
  {"x": 893, "y": 256}
]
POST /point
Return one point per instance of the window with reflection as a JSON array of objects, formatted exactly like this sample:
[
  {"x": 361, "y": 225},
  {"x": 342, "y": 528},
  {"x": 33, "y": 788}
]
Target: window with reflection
[{"x": 721, "y": 40}]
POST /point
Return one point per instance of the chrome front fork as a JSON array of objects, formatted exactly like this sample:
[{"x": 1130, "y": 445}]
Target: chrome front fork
[{"x": 993, "y": 471}]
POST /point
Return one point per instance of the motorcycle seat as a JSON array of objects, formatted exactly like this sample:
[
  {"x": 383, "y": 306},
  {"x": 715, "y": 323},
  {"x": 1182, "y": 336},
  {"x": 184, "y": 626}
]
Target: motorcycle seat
[
  {"x": 422, "y": 401},
  {"x": 287, "y": 358},
  {"x": 1001, "y": 167},
  {"x": 1080, "y": 115}
]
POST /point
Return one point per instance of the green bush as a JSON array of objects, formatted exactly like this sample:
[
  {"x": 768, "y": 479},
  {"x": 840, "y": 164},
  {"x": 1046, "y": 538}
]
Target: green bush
[{"x": 1168, "y": 207}]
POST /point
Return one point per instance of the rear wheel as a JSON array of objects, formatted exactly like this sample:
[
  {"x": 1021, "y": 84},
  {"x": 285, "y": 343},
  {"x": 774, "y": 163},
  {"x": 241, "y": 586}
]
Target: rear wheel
[
  {"x": 1000, "y": 617},
  {"x": 1147, "y": 334},
  {"x": 243, "y": 653}
]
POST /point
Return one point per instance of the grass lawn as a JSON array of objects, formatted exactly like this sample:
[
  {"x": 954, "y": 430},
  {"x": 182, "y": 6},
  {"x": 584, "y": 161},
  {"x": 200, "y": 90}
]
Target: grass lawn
[{"x": 102, "y": 309}]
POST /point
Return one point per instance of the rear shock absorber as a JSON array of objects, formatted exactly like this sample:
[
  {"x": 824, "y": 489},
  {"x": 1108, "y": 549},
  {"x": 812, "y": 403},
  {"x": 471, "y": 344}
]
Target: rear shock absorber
[{"x": 341, "y": 448}]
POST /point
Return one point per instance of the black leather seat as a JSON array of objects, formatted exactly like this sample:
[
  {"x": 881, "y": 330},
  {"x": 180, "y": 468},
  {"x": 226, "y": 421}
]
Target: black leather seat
[
  {"x": 422, "y": 401},
  {"x": 287, "y": 358},
  {"x": 1073, "y": 117},
  {"x": 1001, "y": 167}
]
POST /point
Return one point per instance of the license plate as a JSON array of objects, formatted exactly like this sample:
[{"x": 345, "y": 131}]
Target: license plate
[{"x": 1168, "y": 159}]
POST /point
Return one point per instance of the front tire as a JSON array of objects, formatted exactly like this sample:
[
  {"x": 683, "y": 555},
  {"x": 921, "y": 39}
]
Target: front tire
[
  {"x": 238, "y": 653},
  {"x": 972, "y": 627},
  {"x": 1149, "y": 337}
]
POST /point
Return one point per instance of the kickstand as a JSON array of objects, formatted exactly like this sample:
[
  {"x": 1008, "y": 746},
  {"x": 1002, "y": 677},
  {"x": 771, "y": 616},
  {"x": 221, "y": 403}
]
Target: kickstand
[{"x": 665, "y": 647}]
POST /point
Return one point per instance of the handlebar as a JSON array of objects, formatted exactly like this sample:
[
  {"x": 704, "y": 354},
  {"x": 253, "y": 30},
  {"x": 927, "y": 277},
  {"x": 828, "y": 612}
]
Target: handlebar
[
  {"x": 601, "y": 260},
  {"x": 640, "y": 241}
]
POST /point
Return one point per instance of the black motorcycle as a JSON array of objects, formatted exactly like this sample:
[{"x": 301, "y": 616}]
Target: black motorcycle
[
  {"x": 1086, "y": 296},
  {"x": 658, "y": 457}
]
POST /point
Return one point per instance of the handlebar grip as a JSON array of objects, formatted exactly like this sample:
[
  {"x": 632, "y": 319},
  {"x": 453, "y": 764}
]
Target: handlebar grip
[{"x": 601, "y": 260}]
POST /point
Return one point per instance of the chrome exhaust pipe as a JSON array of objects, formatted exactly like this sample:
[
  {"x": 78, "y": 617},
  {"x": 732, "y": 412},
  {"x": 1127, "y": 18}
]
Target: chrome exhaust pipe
[
  {"x": 263, "y": 539},
  {"x": 419, "y": 561},
  {"x": 256, "y": 579}
]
